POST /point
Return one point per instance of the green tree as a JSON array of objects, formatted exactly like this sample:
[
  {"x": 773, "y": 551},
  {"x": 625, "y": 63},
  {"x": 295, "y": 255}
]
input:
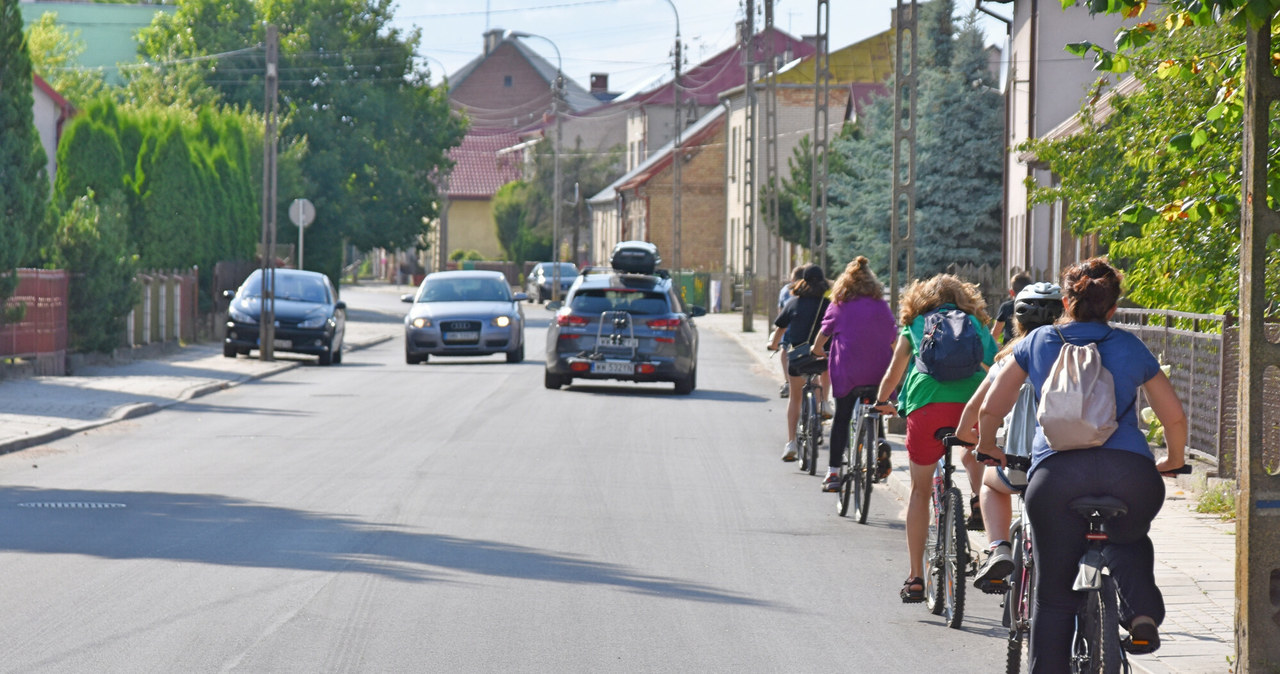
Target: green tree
[
  {"x": 91, "y": 242},
  {"x": 24, "y": 185},
  {"x": 55, "y": 55},
  {"x": 1168, "y": 206},
  {"x": 959, "y": 126},
  {"x": 89, "y": 158},
  {"x": 511, "y": 213}
]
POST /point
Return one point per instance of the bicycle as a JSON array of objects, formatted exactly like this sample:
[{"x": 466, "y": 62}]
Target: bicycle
[
  {"x": 1020, "y": 593},
  {"x": 861, "y": 455},
  {"x": 1095, "y": 645},
  {"x": 946, "y": 551},
  {"x": 809, "y": 426}
]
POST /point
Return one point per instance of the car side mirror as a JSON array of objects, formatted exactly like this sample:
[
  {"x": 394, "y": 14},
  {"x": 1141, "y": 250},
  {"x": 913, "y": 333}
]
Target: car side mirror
[
  {"x": 696, "y": 311},
  {"x": 228, "y": 294},
  {"x": 555, "y": 305},
  {"x": 406, "y": 298},
  {"x": 340, "y": 305},
  {"x": 519, "y": 297}
]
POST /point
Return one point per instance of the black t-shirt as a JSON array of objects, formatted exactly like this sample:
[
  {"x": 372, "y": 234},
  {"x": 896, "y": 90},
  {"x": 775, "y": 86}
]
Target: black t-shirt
[
  {"x": 1005, "y": 315},
  {"x": 798, "y": 316}
]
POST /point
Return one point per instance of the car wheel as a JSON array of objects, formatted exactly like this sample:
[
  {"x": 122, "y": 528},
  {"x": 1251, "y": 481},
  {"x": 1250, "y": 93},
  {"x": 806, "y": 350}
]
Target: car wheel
[
  {"x": 326, "y": 358},
  {"x": 685, "y": 385},
  {"x": 229, "y": 351},
  {"x": 337, "y": 355},
  {"x": 552, "y": 381},
  {"x": 516, "y": 356},
  {"x": 541, "y": 299},
  {"x": 412, "y": 359}
]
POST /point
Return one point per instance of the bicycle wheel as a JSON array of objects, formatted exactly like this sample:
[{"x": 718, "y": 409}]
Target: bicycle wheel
[
  {"x": 933, "y": 592},
  {"x": 802, "y": 431},
  {"x": 955, "y": 557},
  {"x": 815, "y": 433},
  {"x": 1018, "y": 604},
  {"x": 850, "y": 484},
  {"x": 867, "y": 444},
  {"x": 1096, "y": 646}
]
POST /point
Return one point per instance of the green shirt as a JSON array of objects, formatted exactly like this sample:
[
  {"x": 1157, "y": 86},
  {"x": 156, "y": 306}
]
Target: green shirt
[{"x": 919, "y": 389}]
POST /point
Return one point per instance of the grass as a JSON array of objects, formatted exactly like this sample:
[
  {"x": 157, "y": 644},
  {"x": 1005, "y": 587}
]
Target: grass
[{"x": 1219, "y": 499}]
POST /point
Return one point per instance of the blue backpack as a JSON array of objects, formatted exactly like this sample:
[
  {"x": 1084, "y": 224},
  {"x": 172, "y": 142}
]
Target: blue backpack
[{"x": 950, "y": 346}]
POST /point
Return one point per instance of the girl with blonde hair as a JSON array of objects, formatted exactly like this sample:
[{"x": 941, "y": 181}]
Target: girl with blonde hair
[{"x": 930, "y": 404}]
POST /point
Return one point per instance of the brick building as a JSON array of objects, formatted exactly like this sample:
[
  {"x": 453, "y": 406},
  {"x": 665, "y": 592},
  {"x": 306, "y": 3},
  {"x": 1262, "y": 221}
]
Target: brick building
[{"x": 639, "y": 204}]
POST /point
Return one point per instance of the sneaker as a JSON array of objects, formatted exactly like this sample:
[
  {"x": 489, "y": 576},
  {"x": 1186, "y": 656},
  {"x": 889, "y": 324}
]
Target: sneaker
[
  {"x": 974, "y": 522},
  {"x": 785, "y": 391},
  {"x": 789, "y": 454},
  {"x": 883, "y": 467},
  {"x": 994, "y": 573},
  {"x": 832, "y": 483},
  {"x": 827, "y": 409}
]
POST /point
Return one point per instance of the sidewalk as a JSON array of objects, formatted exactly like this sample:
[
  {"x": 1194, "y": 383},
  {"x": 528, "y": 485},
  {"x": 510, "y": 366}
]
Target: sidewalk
[
  {"x": 39, "y": 410},
  {"x": 1195, "y": 554}
]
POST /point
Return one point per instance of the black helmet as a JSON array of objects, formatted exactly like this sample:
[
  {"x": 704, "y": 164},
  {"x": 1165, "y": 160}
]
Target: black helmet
[{"x": 1038, "y": 304}]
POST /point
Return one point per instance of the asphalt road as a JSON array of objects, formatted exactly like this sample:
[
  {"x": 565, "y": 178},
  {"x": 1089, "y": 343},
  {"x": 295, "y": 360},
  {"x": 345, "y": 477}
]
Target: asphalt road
[{"x": 457, "y": 516}]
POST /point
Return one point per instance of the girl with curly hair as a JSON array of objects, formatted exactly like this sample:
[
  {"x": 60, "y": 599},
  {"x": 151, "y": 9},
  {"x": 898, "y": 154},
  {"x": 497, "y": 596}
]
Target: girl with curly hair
[{"x": 930, "y": 404}]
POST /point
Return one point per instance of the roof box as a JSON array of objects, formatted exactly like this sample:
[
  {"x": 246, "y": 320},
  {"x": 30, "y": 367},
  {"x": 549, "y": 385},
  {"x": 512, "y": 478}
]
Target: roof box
[{"x": 636, "y": 257}]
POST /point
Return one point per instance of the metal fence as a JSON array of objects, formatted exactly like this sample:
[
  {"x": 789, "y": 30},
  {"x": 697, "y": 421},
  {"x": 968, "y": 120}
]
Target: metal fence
[{"x": 1192, "y": 345}]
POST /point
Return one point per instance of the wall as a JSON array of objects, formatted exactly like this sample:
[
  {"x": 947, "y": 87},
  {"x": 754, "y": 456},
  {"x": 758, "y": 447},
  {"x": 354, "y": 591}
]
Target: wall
[
  {"x": 472, "y": 227},
  {"x": 491, "y": 103}
]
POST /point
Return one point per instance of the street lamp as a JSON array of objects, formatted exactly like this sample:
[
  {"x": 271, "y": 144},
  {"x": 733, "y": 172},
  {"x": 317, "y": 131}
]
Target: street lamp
[
  {"x": 557, "y": 94},
  {"x": 675, "y": 147}
]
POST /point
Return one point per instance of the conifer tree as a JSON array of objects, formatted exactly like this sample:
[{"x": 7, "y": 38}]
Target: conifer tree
[{"x": 24, "y": 185}]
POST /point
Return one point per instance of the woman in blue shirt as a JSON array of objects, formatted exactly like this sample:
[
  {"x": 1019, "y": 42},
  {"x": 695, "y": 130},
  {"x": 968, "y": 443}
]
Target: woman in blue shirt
[{"x": 1123, "y": 467}]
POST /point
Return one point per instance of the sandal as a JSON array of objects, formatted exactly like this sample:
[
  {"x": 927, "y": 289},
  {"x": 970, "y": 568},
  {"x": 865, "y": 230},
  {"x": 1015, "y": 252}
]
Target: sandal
[
  {"x": 1144, "y": 637},
  {"x": 912, "y": 591}
]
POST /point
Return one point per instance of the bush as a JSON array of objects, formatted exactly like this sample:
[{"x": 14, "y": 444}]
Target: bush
[{"x": 91, "y": 243}]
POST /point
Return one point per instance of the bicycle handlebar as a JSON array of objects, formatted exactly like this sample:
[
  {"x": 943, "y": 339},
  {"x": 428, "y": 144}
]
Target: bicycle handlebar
[{"x": 1015, "y": 462}]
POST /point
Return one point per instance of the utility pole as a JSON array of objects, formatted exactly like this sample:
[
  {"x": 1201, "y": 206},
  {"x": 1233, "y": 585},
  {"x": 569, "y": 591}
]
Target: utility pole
[
  {"x": 748, "y": 174},
  {"x": 267, "y": 316},
  {"x": 821, "y": 133},
  {"x": 677, "y": 156},
  {"x": 557, "y": 95},
  {"x": 770, "y": 209},
  {"x": 903, "y": 207},
  {"x": 1258, "y": 496}
]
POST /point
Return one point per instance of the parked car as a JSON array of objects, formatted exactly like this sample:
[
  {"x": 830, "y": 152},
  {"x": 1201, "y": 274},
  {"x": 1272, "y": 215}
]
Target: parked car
[
  {"x": 309, "y": 317},
  {"x": 624, "y": 326},
  {"x": 464, "y": 313},
  {"x": 542, "y": 277}
]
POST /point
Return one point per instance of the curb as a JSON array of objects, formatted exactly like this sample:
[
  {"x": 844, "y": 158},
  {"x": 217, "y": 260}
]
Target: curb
[{"x": 136, "y": 410}]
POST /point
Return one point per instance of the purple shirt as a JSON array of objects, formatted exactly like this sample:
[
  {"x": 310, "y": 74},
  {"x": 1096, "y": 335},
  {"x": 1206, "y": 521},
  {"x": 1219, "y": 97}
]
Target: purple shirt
[{"x": 862, "y": 332}]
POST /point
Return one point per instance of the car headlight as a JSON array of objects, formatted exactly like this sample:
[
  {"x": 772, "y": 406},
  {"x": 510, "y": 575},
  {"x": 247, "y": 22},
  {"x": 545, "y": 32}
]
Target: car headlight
[
  {"x": 420, "y": 322},
  {"x": 313, "y": 320},
  {"x": 501, "y": 321},
  {"x": 240, "y": 316}
]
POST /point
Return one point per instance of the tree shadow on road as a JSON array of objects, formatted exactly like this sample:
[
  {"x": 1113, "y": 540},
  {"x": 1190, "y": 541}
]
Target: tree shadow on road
[{"x": 214, "y": 529}]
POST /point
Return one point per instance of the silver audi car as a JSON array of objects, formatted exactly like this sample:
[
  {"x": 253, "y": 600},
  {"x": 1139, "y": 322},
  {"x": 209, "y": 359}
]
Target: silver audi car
[{"x": 464, "y": 313}]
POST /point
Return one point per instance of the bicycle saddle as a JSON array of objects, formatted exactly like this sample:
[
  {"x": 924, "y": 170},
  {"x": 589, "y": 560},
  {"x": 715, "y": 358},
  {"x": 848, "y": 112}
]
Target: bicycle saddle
[{"x": 1108, "y": 507}]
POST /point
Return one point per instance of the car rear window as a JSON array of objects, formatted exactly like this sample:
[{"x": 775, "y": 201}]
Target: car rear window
[{"x": 597, "y": 300}]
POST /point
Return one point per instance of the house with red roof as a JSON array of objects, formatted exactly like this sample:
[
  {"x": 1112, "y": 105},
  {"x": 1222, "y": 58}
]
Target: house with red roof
[
  {"x": 50, "y": 112},
  {"x": 506, "y": 94}
]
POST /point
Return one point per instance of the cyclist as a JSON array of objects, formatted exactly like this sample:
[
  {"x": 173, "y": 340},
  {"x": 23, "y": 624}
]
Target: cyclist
[
  {"x": 1036, "y": 305},
  {"x": 929, "y": 404},
  {"x": 859, "y": 327},
  {"x": 783, "y": 296},
  {"x": 1002, "y": 328},
  {"x": 1122, "y": 467},
  {"x": 797, "y": 321}
]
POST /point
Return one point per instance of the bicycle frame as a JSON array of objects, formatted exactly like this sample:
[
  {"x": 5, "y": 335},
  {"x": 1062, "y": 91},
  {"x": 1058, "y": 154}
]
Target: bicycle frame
[
  {"x": 866, "y": 429},
  {"x": 947, "y": 560},
  {"x": 809, "y": 425}
]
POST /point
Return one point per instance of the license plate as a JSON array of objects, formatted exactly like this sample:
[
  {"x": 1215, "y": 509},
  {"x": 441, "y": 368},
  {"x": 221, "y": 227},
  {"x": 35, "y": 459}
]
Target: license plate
[
  {"x": 282, "y": 344},
  {"x": 613, "y": 367},
  {"x": 624, "y": 342},
  {"x": 461, "y": 336}
]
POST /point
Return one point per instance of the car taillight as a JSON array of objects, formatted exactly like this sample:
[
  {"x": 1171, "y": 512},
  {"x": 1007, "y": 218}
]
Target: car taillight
[
  {"x": 664, "y": 324},
  {"x": 570, "y": 319}
]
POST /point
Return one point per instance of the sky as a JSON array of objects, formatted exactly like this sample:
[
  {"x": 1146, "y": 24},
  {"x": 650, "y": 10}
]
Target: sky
[{"x": 631, "y": 40}]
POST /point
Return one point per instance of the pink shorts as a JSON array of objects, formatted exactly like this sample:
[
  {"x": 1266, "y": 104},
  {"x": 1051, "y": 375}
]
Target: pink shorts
[{"x": 922, "y": 447}]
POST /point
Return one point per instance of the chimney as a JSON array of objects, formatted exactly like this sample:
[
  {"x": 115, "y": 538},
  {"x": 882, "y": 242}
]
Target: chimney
[
  {"x": 599, "y": 83},
  {"x": 492, "y": 38}
]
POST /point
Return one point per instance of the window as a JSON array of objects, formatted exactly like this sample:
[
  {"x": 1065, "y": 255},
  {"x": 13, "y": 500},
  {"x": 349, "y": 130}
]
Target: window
[{"x": 506, "y": 81}]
